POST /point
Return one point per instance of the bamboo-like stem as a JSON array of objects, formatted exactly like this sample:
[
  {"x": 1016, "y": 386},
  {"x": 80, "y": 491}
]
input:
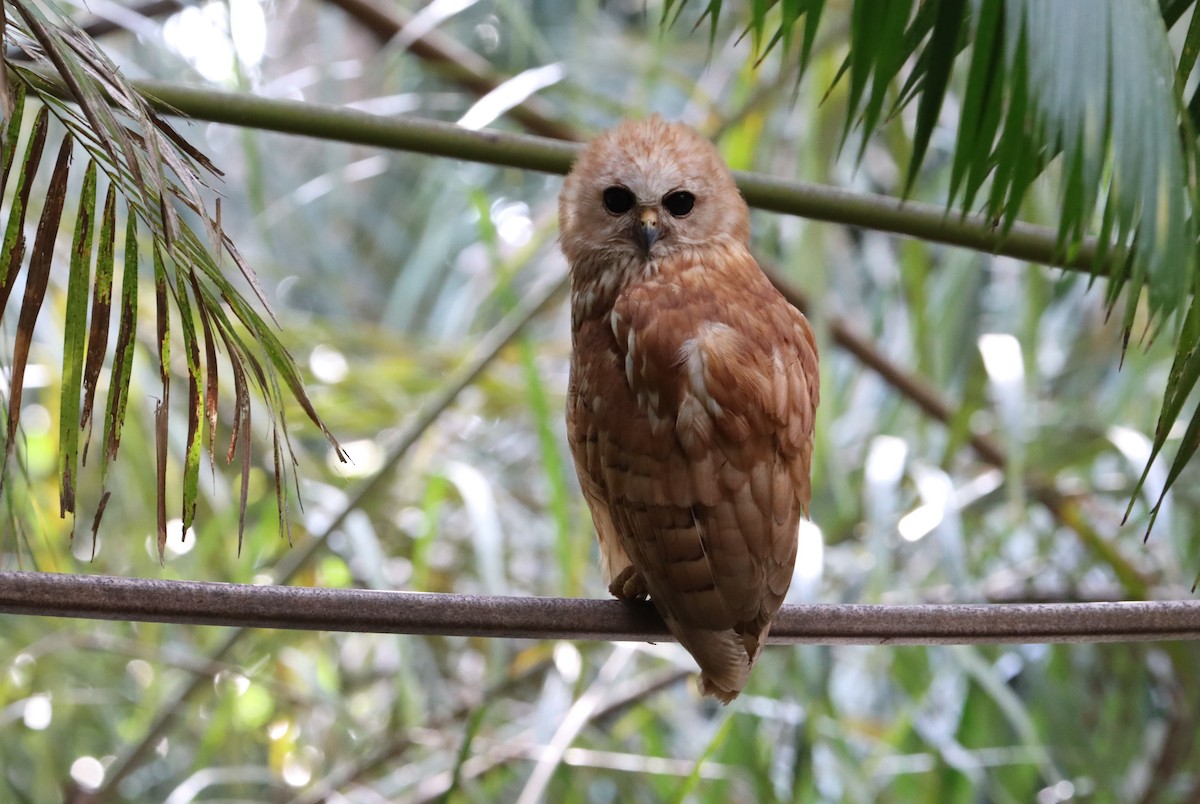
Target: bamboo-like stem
[
  {"x": 930, "y": 222},
  {"x": 324, "y": 121},
  {"x": 1022, "y": 241}
]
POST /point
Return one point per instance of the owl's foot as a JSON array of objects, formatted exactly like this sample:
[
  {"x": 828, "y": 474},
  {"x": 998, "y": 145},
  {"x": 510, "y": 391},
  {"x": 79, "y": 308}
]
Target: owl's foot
[{"x": 628, "y": 585}]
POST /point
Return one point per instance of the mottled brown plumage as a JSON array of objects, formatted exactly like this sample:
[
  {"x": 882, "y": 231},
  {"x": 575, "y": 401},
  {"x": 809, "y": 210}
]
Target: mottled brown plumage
[{"x": 692, "y": 394}]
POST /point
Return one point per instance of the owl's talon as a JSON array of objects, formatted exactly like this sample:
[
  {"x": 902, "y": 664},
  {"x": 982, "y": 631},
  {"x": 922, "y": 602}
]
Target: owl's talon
[{"x": 628, "y": 585}]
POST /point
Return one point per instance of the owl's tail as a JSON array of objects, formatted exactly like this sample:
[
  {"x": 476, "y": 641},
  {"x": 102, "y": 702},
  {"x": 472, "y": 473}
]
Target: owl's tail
[{"x": 725, "y": 657}]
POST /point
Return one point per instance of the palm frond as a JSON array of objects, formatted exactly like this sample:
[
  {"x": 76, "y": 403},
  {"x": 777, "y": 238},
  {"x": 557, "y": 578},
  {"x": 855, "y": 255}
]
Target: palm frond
[
  {"x": 97, "y": 339},
  {"x": 160, "y": 176},
  {"x": 73, "y": 347},
  {"x": 1086, "y": 87},
  {"x": 36, "y": 280},
  {"x": 7, "y": 104}
]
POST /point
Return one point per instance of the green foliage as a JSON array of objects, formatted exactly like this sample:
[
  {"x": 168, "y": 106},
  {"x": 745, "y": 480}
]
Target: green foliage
[
  {"x": 418, "y": 294},
  {"x": 1082, "y": 87},
  {"x": 159, "y": 173}
]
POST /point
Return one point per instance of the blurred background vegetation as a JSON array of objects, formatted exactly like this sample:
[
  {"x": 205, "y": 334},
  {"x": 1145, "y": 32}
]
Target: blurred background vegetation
[{"x": 390, "y": 272}]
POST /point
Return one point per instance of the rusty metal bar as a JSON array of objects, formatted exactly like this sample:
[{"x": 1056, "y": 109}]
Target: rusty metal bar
[{"x": 305, "y": 608}]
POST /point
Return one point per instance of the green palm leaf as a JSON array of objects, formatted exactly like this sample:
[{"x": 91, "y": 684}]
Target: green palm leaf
[
  {"x": 1085, "y": 89},
  {"x": 143, "y": 160}
]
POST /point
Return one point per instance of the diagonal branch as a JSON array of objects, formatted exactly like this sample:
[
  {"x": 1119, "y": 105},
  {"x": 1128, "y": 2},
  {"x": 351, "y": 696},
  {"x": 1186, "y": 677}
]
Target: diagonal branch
[
  {"x": 933, "y": 404},
  {"x": 932, "y": 222},
  {"x": 455, "y": 62},
  {"x": 112, "y": 18}
]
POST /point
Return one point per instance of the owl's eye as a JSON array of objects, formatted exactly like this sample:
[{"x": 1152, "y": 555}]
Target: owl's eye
[
  {"x": 618, "y": 200},
  {"x": 679, "y": 203}
]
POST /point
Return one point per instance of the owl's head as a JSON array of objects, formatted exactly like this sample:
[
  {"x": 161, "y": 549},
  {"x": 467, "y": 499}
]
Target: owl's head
[{"x": 646, "y": 189}]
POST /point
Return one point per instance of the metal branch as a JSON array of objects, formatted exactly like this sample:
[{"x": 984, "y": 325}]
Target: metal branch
[{"x": 103, "y": 597}]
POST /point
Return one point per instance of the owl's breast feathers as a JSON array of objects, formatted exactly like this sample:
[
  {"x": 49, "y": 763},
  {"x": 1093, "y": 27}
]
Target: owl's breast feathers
[{"x": 690, "y": 416}]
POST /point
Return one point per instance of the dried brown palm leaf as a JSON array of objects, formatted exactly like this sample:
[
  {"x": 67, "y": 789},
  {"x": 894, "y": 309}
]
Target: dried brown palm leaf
[{"x": 36, "y": 281}]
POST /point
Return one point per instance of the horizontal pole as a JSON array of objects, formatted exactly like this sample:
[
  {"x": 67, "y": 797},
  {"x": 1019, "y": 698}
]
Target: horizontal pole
[{"x": 103, "y": 597}]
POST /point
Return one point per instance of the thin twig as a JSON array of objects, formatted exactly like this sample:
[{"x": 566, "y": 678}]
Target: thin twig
[
  {"x": 1179, "y": 738},
  {"x": 616, "y": 699},
  {"x": 572, "y": 723},
  {"x": 105, "y": 597},
  {"x": 386, "y": 748}
]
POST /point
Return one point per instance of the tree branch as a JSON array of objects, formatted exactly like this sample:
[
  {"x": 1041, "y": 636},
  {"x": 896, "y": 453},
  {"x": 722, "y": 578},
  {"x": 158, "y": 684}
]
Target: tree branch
[
  {"x": 104, "y": 597},
  {"x": 106, "y": 21}
]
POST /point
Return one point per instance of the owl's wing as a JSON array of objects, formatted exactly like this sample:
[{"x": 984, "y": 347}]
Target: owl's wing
[{"x": 708, "y": 473}]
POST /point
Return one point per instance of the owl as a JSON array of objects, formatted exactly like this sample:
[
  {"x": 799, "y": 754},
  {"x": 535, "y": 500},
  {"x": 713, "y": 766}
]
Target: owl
[{"x": 692, "y": 393}]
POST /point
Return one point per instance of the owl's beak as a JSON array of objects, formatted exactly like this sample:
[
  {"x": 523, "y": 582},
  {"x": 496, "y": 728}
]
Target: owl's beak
[{"x": 649, "y": 230}]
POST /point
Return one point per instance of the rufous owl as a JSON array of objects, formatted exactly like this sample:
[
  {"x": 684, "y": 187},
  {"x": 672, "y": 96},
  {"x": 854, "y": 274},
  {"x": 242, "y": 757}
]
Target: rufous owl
[{"x": 692, "y": 393}]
